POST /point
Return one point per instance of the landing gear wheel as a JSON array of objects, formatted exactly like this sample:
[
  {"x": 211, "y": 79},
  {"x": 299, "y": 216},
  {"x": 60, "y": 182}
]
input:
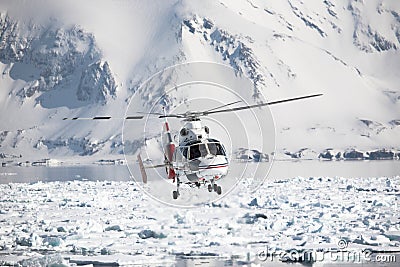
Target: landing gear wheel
[
  {"x": 219, "y": 190},
  {"x": 175, "y": 194},
  {"x": 210, "y": 188},
  {"x": 165, "y": 162},
  {"x": 215, "y": 187}
]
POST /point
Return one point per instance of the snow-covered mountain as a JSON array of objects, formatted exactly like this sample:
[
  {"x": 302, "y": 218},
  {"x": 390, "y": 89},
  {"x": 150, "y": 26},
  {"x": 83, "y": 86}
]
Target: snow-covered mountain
[{"x": 73, "y": 59}]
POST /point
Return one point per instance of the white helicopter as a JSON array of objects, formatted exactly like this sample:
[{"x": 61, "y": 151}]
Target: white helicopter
[{"x": 197, "y": 159}]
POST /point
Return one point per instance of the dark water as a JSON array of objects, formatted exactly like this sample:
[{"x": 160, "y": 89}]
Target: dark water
[
  {"x": 92, "y": 172},
  {"x": 342, "y": 168}
]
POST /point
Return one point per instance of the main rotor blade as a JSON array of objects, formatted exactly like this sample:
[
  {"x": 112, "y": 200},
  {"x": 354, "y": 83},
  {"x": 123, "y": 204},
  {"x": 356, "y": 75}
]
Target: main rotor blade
[
  {"x": 104, "y": 118},
  {"x": 188, "y": 114},
  {"x": 260, "y": 105},
  {"x": 229, "y": 104},
  {"x": 197, "y": 114},
  {"x": 179, "y": 116},
  {"x": 151, "y": 113},
  {"x": 134, "y": 117}
]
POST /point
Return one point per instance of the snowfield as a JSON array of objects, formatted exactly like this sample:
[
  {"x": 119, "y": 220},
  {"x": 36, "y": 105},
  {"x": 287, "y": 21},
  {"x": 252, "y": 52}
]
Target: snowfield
[{"x": 115, "y": 223}]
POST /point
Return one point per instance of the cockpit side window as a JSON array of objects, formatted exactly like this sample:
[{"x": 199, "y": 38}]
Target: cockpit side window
[
  {"x": 213, "y": 148},
  {"x": 184, "y": 151},
  {"x": 216, "y": 149}
]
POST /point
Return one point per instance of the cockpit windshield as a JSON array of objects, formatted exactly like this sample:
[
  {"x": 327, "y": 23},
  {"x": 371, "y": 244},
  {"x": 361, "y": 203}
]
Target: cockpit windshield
[{"x": 199, "y": 149}]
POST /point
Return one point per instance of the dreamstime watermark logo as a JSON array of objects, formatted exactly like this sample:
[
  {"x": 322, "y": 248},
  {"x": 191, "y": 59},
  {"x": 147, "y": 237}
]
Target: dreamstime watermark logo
[
  {"x": 341, "y": 254},
  {"x": 342, "y": 244}
]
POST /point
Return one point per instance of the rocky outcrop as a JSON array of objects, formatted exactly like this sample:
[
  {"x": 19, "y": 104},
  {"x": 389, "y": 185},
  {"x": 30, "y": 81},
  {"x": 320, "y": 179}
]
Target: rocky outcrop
[
  {"x": 231, "y": 47},
  {"x": 81, "y": 146},
  {"x": 367, "y": 38},
  {"x": 54, "y": 57},
  {"x": 97, "y": 83},
  {"x": 245, "y": 154}
]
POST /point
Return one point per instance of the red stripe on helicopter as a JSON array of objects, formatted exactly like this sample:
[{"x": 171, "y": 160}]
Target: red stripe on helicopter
[
  {"x": 171, "y": 173},
  {"x": 170, "y": 151},
  {"x": 213, "y": 166}
]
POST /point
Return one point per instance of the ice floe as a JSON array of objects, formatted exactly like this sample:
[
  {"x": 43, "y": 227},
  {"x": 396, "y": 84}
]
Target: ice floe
[{"x": 87, "y": 222}]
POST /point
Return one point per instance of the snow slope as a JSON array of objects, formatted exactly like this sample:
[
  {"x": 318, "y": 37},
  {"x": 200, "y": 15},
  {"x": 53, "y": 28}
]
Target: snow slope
[{"x": 84, "y": 59}]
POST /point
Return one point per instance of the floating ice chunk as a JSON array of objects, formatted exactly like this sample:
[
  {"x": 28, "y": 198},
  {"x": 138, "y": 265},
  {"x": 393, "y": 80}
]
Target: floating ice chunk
[
  {"x": 251, "y": 219},
  {"x": 61, "y": 229},
  {"x": 105, "y": 251},
  {"x": 49, "y": 260},
  {"x": 279, "y": 225},
  {"x": 113, "y": 228},
  {"x": 32, "y": 241},
  {"x": 145, "y": 234},
  {"x": 52, "y": 241},
  {"x": 91, "y": 227},
  {"x": 315, "y": 227},
  {"x": 23, "y": 241},
  {"x": 253, "y": 202},
  {"x": 393, "y": 235},
  {"x": 374, "y": 240},
  {"x": 179, "y": 219},
  {"x": 380, "y": 239}
]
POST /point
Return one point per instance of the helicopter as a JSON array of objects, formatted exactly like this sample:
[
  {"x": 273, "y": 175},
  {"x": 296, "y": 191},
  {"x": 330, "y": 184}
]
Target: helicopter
[{"x": 196, "y": 159}]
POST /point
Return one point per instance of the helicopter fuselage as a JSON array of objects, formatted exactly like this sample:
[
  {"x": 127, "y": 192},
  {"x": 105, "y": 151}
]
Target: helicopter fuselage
[{"x": 198, "y": 157}]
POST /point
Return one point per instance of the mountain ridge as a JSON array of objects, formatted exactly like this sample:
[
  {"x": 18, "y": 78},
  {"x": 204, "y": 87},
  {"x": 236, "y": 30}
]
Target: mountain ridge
[{"x": 347, "y": 51}]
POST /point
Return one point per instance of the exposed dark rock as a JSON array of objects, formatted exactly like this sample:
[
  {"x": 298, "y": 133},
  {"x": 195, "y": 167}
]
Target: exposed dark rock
[
  {"x": 353, "y": 154},
  {"x": 381, "y": 154}
]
